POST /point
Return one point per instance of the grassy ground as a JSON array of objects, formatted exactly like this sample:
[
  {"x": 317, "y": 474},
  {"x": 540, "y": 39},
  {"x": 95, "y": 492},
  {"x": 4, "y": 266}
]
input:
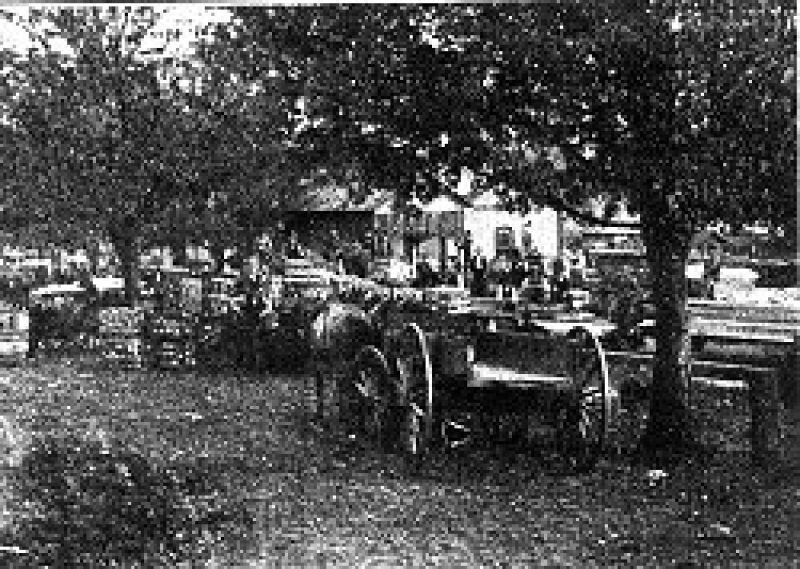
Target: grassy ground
[{"x": 267, "y": 489}]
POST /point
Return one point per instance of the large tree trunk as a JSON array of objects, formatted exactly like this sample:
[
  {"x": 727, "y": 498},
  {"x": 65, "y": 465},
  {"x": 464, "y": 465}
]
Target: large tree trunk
[
  {"x": 217, "y": 251},
  {"x": 93, "y": 252},
  {"x": 177, "y": 247},
  {"x": 124, "y": 237},
  {"x": 669, "y": 429},
  {"x": 129, "y": 256}
]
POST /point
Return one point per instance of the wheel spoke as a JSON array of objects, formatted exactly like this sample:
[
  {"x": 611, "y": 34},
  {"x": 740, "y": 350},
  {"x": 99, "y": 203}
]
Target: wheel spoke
[
  {"x": 587, "y": 426},
  {"x": 590, "y": 382},
  {"x": 362, "y": 385},
  {"x": 366, "y": 401},
  {"x": 413, "y": 366}
]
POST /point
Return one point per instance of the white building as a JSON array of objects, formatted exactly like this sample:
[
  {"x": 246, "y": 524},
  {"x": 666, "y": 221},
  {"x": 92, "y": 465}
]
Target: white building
[
  {"x": 494, "y": 231},
  {"x": 440, "y": 231}
]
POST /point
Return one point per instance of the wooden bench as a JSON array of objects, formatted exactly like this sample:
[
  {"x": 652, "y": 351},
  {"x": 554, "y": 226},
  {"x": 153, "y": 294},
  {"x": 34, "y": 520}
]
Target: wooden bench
[{"x": 771, "y": 379}]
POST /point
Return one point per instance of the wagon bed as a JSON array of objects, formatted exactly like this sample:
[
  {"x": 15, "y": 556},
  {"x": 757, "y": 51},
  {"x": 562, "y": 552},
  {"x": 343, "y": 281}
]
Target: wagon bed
[{"x": 433, "y": 363}]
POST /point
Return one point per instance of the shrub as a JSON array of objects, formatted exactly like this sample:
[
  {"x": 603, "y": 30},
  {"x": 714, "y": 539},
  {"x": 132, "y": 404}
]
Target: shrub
[{"x": 83, "y": 504}]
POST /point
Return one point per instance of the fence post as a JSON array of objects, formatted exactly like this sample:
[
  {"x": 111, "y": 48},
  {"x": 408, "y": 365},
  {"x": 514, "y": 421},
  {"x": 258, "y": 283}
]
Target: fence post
[
  {"x": 789, "y": 381},
  {"x": 766, "y": 422},
  {"x": 321, "y": 355},
  {"x": 320, "y": 393}
]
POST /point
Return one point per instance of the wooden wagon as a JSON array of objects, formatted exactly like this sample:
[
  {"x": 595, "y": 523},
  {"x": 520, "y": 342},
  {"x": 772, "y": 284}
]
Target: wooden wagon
[{"x": 409, "y": 389}]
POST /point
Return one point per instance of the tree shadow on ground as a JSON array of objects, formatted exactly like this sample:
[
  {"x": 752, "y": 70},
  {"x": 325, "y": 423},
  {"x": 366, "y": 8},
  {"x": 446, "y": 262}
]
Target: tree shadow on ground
[{"x": 78, "y": 502}]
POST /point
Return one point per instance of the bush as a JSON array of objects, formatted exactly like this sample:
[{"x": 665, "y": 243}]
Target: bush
[{"x": 82, "y": 504}]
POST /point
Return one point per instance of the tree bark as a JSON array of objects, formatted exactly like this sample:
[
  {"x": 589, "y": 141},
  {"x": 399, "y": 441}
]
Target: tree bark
[
  {"x": 669, "y": 430},
  {"x": 93, "y": 252},
  {"x": 124, "y": 237},
  {"x": 178, "y": 249},
  {"x": 218, "y": 254}
]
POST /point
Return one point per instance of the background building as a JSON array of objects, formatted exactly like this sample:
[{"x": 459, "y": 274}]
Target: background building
[{"x": 495, "y": 232}]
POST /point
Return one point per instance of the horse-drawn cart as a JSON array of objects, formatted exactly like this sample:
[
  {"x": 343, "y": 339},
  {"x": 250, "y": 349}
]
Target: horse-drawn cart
[{"x": 435, "y": 377}]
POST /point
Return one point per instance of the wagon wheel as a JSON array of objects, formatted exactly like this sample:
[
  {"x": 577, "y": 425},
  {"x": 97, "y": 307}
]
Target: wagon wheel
[
  {"x": 366, "y": 396},
  {"x": 415, "y": 377},
  {"x": 586, "y": 413}
]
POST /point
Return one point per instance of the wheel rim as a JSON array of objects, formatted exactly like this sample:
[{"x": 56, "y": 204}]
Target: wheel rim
[
  {"x": 587, "y": 416},
  {"x": 415, "y": 375},
  {"x": 367, "y": 397}
]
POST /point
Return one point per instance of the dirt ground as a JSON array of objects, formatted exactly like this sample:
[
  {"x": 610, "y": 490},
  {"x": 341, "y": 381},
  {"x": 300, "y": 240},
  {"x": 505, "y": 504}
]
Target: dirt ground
[{"x": 271, "y": 489}]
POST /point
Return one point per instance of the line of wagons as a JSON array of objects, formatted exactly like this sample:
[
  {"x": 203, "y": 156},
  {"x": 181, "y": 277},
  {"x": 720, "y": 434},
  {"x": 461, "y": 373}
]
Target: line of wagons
[{"x": 420, "y": 377}]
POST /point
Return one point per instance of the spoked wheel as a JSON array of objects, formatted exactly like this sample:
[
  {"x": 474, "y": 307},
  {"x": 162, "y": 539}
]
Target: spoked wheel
[
  {"x": 366, "y": 397},
  {"x": 415, "y": 376},
  {"x": 585, "y": 415}
]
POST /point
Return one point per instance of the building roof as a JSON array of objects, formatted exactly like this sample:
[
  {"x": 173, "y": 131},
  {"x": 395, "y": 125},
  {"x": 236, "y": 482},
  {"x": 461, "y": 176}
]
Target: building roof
[
  {"x": 57, "y": 289},
  {"x": 341, "y": 198}
]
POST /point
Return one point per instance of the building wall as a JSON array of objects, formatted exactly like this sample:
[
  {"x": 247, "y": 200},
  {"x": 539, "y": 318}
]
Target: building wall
[
  {"x": 482, "y": 222},
  {"x": 542, "y": 227}
]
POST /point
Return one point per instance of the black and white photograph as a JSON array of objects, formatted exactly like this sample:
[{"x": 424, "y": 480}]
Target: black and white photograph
[{"x": 403, "y": 285}]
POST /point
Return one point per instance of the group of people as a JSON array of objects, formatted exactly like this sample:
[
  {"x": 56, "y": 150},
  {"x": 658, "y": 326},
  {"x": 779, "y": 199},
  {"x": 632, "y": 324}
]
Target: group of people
[
  {"x": 507, "y": 275},
  {"x": 511, "y": 272}
]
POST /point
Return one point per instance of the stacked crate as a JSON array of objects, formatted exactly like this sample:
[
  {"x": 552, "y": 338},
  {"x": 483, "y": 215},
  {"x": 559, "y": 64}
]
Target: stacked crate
[
  {"x": 119, "y": 338},
  {"x": 173, "y": 340},
  {"x": 14, "y": 333},
  {"x": 170, "y": 290},
  {"x": 211, "y": 335},
  {"x": 191, "y": 294},
  {"x": 221, "y": 297}
]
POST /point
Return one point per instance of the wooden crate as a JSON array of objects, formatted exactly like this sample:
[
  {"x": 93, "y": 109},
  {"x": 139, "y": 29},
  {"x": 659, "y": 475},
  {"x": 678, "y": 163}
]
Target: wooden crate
[
  {"x": 14, "y": 333},
  {"x": 120, "y": 320},
  {"x": 122, "y": 351},
  {"x": 172, "y": 340}
]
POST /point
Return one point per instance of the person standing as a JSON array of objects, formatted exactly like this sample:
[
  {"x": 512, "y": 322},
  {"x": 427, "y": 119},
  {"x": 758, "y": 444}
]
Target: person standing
[
  {"x": 556, "y": 285},
  {"x": 35, "y": 332},
  {"x": 478, "y": 267},
  {"x": 517, "y": 275}
]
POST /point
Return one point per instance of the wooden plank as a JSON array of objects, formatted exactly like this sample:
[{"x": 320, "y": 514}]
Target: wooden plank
[
  {"x": 745, "y": 312},
  {"x": 598, "y": 328},
  {"x": 526, "y": 352},
  {"x": 743, "y": 337},
  {"x": 706, "y": 365},
  {"x": 768, "y": 324},
  {"x": 485, "y": 376},
  {"x": 737, "y": 331},
  {"x": 721, "y": 383}
]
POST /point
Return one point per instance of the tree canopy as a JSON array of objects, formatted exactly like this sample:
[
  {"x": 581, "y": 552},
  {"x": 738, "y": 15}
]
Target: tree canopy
[
  {"x": 684, "y": 111},
  {"x": 546, "y": 104},
  {"x": 113, "y": 124}
]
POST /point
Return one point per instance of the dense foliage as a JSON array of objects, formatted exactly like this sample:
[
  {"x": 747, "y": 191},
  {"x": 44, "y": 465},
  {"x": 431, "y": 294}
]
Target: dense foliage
[
  {"x": 80, "y": 503},
  {"x": 112, "y": 128},
  {"x": 684, "y": 111}
]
